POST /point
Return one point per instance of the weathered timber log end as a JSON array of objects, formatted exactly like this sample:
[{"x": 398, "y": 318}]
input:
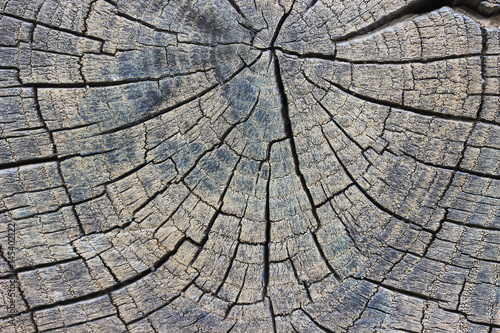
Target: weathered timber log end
[{"x": 250, "y": 166}]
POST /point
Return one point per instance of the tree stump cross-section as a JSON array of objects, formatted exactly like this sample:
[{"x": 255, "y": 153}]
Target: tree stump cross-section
[{"x": 249, "y": 166}]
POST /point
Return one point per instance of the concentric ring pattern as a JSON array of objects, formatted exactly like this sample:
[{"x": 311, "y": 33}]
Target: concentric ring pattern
[{"x": 250, "y": 166}]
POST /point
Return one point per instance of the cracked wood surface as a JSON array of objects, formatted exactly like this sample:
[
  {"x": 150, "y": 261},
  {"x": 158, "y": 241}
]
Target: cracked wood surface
[{"x": 251, "y": 166}]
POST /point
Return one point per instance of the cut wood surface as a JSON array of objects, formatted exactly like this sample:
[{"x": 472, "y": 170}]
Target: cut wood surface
[{"x": 250, "y": 166}]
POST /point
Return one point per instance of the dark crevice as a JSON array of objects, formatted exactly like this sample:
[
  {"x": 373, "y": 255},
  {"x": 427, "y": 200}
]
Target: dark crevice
[
  {"x": 68, "y": 327},
  {"x": 271, "y": 312},
  {"x": 315, "y": 322},
  {"x": 88, "y": 84},
  {"x": 35, "y": 324},
  {"x": 460, "y": 293},
  {"x": 49, "y": 159},
  {"x": 402, "y": 291},
  {"x": 267, "y": 216},
  {"x": 219, "y": 144},
  {"x": 291, "y": 139},
  {"x": 72, "y": 205},
  {"x": 332, "y": 118},
  {"x": 237, "y": 8},
  {"x": 484, "y": 46},
  {"x": 171, "y": 214},
  {"x": 164, "y": 305},
  {"x": 115, "y": 287},
  {"x": 466, "y": 316},
  {"x": 311, "y": 4},
  {"x": 71, "y": 128},
  {"x": 58, "y": 53},
  {"x": 331, "y": 197},
  {"x": 436, "y": 232},
  {"x": 181, "y": 103},
  {"x": 103, "y": 84},
  {"x": 229, "y": 268},
  {"x": 105, "y": 264},
  {"x": 53, "y": 27},
  {"x": 410, "y": 61},
  {"x": 307, "y": 55},
  {"x": 408, "y": 108},
  {"x": 414, "y": 8},
  {"x": 87, "y": 16},
  {"x": 146, "y": 24},
  {"x": 454, "y": 168},
  {"x": 217, "y": 212},
  {"x": 346, "y": 228},
  {"x": 296, "y": 275},
  {"x": 152, "y": 198},
  {"x": 333, "y": 57},
  {"x": 161, "y": 111},
  {"x": 124, "y": 175},
  {"x": 279, "y": 26},
  {"x": 293, "y": 327},
  {"x": 230, "y": 306},
  {"x": 474, "y": 225},
  {"x": 365, "y": 193},
  {"x": 45, "y": 265},
  {"x": 365, "y": 307},
  {"x": 28, "y": 162}
]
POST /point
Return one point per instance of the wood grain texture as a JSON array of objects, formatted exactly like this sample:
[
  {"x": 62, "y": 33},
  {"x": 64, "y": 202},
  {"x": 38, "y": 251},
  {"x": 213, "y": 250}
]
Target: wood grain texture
[{"x": 250, "y": 166}]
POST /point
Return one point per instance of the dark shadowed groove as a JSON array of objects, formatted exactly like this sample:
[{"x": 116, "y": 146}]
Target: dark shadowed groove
[
  {"x": 89, "y": 84},
  {"x": 230, "y": 306},
  {"x": 407, "y": 108},
  {"x": 401, "y": 291},
  {"x": 455, "y": 168},
  {"x": 164, "y": 305},
  {"x": 369, "y": 197},
  {"x": 466, "y": 316},
  {"x": 181, "y": 103},
  {"x": 115, "y": 287},
  {"x": 474, "y": 225},
  {"x": 46, "y": 265},
  {"x": 347, "y": 229},
  {"x": 279, "y": 26},
  {"x": 330, "y": 198},
  {"x": 267, "y": 216},
  {"x": 53, "y": 27},
  {"x": 307, "y": 55},
  {"x": 237, "y": 8},
  {"x": 125, "y": 175},
  {"x": 136, "y": 20},
  {"x": 35, "y": 325},
  {"x": 271, "y": 312},
  {"x": 315, "y": 322},
  {"x": 291, "y": 139},
  {"x": 310, "y": 5},
  {"x": 415, "y": 8},
  {"x": 68, "y": 327},
  {"x": 28, "y": 162},
  {"x": 206, "y": 235},
  {"x": 296, "y": 275},
  {"x": 333, "y": 57},
  {"x": 360, "y": 314},
  {"x": 332, "y": 118},
  {"x": 49, "y": 159},
  {"x": 484, "y": 46},
  {"x": 233, "y": 257}
]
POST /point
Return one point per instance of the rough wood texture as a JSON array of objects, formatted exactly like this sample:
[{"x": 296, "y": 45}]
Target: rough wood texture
[{"x": 251, "y": 166}]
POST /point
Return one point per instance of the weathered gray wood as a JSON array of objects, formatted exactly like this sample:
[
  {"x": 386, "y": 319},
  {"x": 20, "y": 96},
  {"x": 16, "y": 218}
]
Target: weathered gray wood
[{"x": 250, "y": 166}]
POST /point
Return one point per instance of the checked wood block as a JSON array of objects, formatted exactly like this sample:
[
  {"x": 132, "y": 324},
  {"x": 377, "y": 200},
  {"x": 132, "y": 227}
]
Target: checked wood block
[{"x": 250, "y": 166}]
